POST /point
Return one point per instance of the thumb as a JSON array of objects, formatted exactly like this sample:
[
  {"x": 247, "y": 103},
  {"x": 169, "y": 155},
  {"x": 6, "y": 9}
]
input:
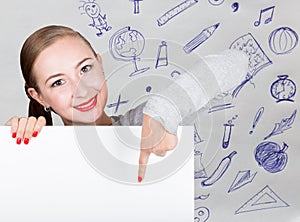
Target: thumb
[{"x": 143, "y": 160}]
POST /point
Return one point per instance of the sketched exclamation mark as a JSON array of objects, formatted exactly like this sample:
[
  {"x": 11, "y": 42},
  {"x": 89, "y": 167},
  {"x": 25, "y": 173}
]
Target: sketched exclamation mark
[{"x": 257, "y": 117}]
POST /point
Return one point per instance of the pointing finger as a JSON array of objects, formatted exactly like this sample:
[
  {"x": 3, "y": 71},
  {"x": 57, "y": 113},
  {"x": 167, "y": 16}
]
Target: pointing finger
[{"x": 143, "y": 160}]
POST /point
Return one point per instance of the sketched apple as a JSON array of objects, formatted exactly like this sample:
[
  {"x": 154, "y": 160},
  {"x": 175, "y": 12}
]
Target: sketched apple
[{"x": 271, "y": 156}]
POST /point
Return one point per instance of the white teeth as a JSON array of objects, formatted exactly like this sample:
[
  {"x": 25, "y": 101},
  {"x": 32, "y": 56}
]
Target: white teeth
[{"x": 87, "y": 105}]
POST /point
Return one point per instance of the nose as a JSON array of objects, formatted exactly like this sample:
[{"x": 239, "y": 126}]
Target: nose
[{"x": 80, "y": 88}]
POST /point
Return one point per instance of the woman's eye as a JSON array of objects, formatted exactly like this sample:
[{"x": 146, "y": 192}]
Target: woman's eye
[
  {"x": 57, "y": 83},
  {"x": 86, "y": 69}
]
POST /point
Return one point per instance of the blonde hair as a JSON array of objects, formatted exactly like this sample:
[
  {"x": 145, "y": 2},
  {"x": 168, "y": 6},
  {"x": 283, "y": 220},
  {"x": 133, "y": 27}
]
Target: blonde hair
[{"x": 32, "y": 47}]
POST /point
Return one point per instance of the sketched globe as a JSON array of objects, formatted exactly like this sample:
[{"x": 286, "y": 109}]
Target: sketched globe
[{"x": 128, "y": 43}]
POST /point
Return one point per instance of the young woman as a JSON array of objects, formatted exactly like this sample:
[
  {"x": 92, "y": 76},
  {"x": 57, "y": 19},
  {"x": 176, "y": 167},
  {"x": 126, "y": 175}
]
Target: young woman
[{"x": 63, "y": 74}]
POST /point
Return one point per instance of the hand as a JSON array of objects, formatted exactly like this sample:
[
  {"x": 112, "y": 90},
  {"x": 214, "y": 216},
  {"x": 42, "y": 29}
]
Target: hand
[
  {"x": 155, "y": 139},
  {"x": 23, "y": 129}
]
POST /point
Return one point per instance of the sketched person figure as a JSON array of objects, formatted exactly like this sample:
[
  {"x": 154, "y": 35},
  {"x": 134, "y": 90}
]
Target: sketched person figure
[
  {"x": 63, "y": 74},
  {"x": 93, "y": 10}
]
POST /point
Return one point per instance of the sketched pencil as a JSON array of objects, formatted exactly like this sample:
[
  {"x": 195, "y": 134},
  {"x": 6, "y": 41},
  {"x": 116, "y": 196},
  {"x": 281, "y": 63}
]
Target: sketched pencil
[{"x": 199, "y": 39}]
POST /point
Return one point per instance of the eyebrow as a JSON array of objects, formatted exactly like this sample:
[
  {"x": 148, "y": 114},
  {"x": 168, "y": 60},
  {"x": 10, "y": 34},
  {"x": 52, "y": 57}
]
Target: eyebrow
[{"x": 76, "y": 67}]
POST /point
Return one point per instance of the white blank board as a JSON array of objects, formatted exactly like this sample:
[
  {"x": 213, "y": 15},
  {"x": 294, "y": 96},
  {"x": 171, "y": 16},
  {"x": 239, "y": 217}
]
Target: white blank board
[{"x": 51, "y": 180}]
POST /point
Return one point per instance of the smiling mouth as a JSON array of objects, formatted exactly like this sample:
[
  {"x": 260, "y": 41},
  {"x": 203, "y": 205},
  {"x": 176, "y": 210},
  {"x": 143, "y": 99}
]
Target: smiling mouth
[{"x": 88, "y": 105}]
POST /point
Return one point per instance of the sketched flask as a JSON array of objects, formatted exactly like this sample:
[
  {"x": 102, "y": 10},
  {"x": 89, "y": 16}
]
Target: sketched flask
[{"x": 283, "y": 89}]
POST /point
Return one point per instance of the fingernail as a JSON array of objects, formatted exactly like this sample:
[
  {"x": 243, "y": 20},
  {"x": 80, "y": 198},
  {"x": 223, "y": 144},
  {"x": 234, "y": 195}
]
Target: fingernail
[
  {"x": 140, "y": 179},
  {"x": 35, "y": 133},
  {"x": 19, "y": 140},
  {"x": 26, "y": 141},
  {"x": 14, "y": 135}
]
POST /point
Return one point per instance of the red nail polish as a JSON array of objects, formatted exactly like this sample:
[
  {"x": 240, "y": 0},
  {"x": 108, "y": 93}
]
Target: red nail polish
[
  {"x": 14, "y": 135},
  {"x": 35, "y": 133},
  {"x": 140, "y": 179},
  {"x": 26, "y": 141},
  {"x": 19, "y": 140}
]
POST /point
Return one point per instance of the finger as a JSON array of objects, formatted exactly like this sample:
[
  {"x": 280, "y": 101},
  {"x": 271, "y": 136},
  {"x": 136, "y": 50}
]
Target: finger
[
  {"x": 143, "y": 160},
  {"x": 13, "y": 122},
  {"x": 159, "y": 152},
  {"x": 170, "y": 142},
  {"x": 31, "y": 121},
  {"x": 21, "y": 129},
  {"x": 41, "y": 121}
]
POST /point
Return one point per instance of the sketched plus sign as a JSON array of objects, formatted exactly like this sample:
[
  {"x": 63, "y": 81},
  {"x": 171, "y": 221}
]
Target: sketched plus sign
[{"x": 117, "y": 104}]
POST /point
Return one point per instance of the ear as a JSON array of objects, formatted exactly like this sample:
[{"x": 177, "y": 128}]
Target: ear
[
  {"x": 36, "y": 96},
  {"x": 99, "y": 58}
]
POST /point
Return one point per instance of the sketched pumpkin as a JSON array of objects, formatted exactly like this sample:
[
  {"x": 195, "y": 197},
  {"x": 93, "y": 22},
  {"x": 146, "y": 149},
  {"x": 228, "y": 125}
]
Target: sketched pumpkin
[
  {"x": 283, "y": 40},
  {"x": 271, "y": 156}
]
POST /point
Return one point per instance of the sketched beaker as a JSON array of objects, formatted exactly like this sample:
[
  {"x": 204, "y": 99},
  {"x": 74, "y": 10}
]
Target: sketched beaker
[{"x": 127, "y": 45}]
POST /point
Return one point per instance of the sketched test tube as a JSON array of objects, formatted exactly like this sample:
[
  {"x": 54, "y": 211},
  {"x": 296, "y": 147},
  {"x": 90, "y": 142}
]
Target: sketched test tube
[
  {"x": 199, "y": 39},
  {"x": 227, "y": 135}
]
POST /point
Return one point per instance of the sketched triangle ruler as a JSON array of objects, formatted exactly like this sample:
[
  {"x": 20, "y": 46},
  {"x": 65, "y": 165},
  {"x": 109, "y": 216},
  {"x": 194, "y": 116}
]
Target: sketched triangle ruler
[{"x": 264, "y": 199}]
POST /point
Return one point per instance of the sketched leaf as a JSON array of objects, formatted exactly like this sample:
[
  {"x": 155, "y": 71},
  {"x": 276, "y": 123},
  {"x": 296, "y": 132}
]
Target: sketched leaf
[{"x": 284, "y": 124}]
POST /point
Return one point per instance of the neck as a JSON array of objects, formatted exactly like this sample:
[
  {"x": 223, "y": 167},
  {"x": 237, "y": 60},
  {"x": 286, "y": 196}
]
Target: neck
[{"x": 104, "y": 120}]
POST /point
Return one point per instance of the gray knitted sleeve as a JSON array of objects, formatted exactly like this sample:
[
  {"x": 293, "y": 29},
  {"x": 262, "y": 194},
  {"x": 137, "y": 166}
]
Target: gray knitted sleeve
[{"x": 211, "y": 76}]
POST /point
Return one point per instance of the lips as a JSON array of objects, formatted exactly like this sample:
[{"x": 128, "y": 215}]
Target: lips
[{"x": 87, "y": 106}]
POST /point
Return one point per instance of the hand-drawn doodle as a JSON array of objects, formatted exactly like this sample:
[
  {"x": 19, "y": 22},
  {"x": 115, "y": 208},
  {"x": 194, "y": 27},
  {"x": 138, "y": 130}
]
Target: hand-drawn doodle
[
  {"x": 216, "y": 2},
  {"x": 269, "y": 15},
  {"x": 220, "y": 107},
  {"x": 285, "y": 124},
  {"x": 271, "y": 156},
  {"x": 257, "y": 57},
  {"x": 202, "y": 214},
  {"x": 219, "y": 171},
  {"x": 201, "y": 38},
  {"x": 202, "y": 197},
  {"x": 93, "y": 10},
  {"x": 283, "y": 89},
  {"x": 257, "y": 117},
  {"x": 162, "y": 55},
  {"x": 148, "y": 89},
  {"x": 235, "y": 6},
  {"x": 197, "y": 138},
  {"x": 175, "y": 72},
  {"x": 117, "y": 104},
  {"x": 227, "y": 133},
  {"x": 283, "y": 40},
  {"x": 242, "y": 178},
  {"x": 175, "y": 11},
  {"x": 136, "y": 4},
  {"x": 199, "y": 171},
  {"x": 126, "y": 45},
  {"x": 264, "y": 199}
]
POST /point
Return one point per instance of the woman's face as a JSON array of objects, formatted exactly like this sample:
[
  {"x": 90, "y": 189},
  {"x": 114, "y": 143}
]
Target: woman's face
[{"x": 71, "y": 81}]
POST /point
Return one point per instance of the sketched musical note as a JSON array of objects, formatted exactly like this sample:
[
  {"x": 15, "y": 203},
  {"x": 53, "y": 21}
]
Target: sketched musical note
[{"x": 270, "y": 10}]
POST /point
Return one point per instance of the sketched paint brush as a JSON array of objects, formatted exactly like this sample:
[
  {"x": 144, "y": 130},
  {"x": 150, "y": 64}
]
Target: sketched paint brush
[{"x": 199, "y": 39}]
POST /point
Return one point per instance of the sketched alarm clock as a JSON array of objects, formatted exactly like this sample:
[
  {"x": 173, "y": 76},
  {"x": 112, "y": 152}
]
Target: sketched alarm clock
[{"x": 283, "y": 89}]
